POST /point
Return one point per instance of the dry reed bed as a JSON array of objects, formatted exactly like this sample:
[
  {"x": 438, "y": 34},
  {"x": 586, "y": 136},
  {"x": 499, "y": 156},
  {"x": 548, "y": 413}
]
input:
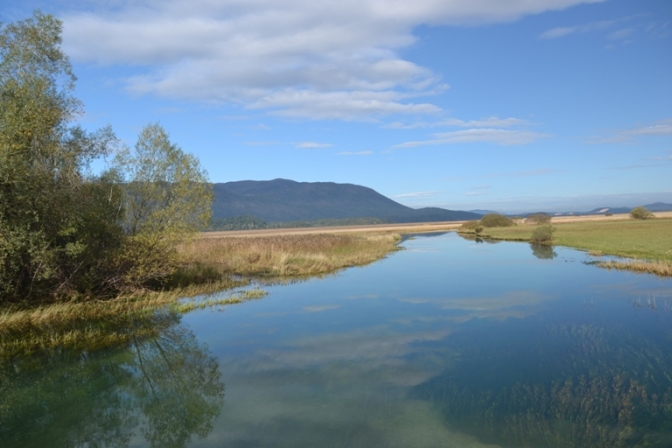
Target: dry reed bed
[
  {"x": 288, "y": 255},
  {"x": 662, "y": 268}
]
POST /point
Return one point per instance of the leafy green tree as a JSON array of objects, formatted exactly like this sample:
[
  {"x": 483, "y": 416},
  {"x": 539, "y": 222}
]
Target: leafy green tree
[
  {"x": 167, "y": 198},
  {"x": 56, "y": 223},
  {"x": 641, "y": 213},
  {"x": 63, "y": 231}
]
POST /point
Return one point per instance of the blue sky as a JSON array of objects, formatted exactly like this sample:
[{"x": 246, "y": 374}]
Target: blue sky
[{"x": 511, "y": 105}]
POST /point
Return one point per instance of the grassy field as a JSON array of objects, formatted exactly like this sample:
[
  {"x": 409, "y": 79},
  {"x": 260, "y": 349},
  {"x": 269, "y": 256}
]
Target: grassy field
[
  {"x": 642, "y": 239},
  {"x": 647, "y": 242}
]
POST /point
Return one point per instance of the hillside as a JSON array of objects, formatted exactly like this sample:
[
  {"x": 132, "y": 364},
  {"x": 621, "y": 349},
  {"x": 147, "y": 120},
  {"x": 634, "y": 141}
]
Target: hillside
[{"x": 283, "y": 200}]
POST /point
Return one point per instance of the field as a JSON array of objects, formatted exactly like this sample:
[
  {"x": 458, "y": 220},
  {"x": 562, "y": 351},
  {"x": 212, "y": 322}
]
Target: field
[
  {"x": 642, "y": 239},
  {"x": 287, "y": 254}
]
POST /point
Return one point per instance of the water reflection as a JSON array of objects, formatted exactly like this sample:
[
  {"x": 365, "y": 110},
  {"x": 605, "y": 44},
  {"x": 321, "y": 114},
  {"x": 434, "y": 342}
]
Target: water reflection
[
  {"x": 165, "y": 389},
  {"x": 543, "y": 251}
]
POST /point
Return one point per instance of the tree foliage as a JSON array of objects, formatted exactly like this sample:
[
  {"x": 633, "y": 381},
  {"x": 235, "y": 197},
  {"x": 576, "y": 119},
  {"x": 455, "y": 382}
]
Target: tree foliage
[
  {"x": 543, "y": 235},
  {"x": 56, "y": 223},
  {"x": 641, "y": 213},
  {"x": 496, "y": 220},
  {"x": 166, "y": 197},
  {"x": 63, "y": 230}
]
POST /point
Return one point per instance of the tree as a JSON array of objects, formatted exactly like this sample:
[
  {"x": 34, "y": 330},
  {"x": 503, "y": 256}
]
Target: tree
[
  {"x": 56, "y": 223},
  {"x": 539, "y": 218},
  {"x": 641, "y": 213},
  {"x": 65, "y": 232},
  {"x": 496, "y": 220},
  {"x": 543, "y": 235},
  {"x": 167, "y": 198}
]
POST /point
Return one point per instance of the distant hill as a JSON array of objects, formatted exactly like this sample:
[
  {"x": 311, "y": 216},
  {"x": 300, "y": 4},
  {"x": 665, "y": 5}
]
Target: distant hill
[
  {"x": 655, "y": 207},
  {"x": 283, "y": 200}
]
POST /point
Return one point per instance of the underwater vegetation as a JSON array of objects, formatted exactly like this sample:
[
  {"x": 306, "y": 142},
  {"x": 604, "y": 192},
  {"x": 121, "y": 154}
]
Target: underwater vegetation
[{"x": 573, "y": 386}]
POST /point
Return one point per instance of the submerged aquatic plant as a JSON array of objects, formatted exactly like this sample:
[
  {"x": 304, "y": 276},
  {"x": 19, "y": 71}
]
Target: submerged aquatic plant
[{"x": 592, "y": 395}]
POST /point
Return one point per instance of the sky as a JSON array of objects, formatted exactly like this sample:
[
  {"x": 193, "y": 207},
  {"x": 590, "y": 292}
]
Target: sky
[{"x": 507, "y": 105}]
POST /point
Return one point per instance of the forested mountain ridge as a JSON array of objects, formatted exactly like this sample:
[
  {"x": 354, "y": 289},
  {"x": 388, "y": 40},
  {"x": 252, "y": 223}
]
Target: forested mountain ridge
[{"x": 282, "y": 200}]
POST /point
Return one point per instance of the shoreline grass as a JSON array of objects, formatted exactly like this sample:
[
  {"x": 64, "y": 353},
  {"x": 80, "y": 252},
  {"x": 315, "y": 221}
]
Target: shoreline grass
[
  {"x": 98, "y": 324},
  {"x": 212, "y": 265},
  {"x": 661, "y": 268},
  {"x": 647, "y": 243}
]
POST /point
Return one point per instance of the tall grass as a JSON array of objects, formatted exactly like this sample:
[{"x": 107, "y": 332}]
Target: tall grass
[
  {"x": 94, "y": 325},
  {"x": 287, "y": 255},
  {"x": 661, "y": 268}
]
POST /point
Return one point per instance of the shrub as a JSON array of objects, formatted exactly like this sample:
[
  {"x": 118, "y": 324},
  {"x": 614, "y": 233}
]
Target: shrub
[
  {"x": 543, "y": 235},
  {"x": 471, "y": 226},
  {"x": 641, "y": 213},
  {"x": 496, "y": 220},
  {"x": 539, "y": 218}
]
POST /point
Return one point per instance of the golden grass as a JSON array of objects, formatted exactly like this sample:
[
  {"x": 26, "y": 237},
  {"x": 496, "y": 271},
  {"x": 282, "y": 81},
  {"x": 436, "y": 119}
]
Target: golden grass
[
  {"x": 288, "y": 255},
  {"x": 661, "y": 268},
  {"x": 97, "y": 324}
]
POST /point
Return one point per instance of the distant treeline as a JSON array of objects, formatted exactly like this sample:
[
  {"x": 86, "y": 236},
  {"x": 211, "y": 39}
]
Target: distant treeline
[{"x": 253, "y": 223}]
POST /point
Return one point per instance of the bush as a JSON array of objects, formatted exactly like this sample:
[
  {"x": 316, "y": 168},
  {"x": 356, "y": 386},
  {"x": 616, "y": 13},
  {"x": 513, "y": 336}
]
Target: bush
[
  {"x": 539, "y": 218},
  {"x": 471, "y": 226},
  {"x": 496, "y": 220},
  {"x": 641, "y": 213},
  {"x": 542, "y": 235}
]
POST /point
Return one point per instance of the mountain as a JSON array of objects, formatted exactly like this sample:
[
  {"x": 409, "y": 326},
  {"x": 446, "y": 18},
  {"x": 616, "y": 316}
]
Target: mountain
[
  {"x": 283, "y": 200},
  {"x": 655, "y": 207}
]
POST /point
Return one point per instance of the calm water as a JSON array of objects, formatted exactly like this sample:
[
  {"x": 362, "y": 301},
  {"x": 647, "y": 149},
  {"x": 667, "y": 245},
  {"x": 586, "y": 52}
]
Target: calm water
[{"x": 449, "y": 343}]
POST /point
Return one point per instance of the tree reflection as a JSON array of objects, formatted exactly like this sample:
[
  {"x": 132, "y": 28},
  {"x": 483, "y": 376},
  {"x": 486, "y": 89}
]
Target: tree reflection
[
  {"x": 543, "y": 251},
  {"x": 167, "y": 388}
]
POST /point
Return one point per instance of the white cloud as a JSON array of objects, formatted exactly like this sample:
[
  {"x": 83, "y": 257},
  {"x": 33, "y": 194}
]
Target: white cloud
[
  {"x": 658, "y": 128},
  {"x": 291, "y": 56},
  {"x": 354, "y": 153},
  {"x": 621, "y": 34},
  {"x": 419, "y": 194},
  {"x": 562, "y": 31},
  {"x": 454, "y": 122},
  {"x": 503, "y": 137},
  {"x": 558, "y": 32},
  {"x": 313, "y": 145},
  {"x": 262, "y": 143}
]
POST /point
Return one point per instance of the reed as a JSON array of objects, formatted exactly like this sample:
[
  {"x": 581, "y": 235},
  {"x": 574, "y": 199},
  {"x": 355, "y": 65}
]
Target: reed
[
  {"x": 662, "y": 268},
  {"x": 96, "y": 325},
  {"x": 287, "y": 255}
]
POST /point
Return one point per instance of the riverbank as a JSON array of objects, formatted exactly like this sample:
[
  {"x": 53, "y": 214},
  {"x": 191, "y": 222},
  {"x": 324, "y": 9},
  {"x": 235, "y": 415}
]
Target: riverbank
[
  {"x": 217, "y": 271},
  {"x": 647, "y": 243}
]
